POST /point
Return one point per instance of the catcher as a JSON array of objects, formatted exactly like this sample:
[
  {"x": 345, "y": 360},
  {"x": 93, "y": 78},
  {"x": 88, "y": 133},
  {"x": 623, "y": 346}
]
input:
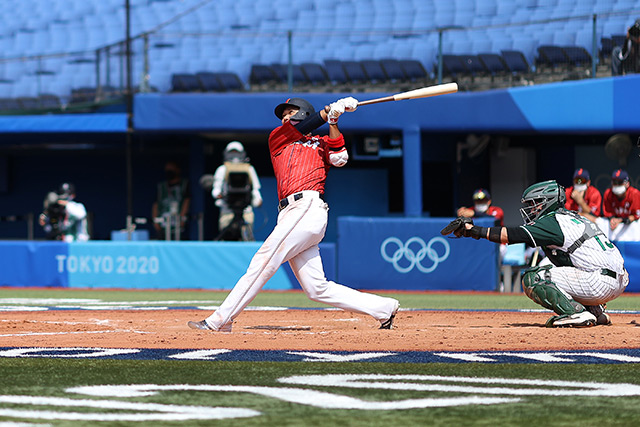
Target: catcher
[{"x": 583, "y": 269}]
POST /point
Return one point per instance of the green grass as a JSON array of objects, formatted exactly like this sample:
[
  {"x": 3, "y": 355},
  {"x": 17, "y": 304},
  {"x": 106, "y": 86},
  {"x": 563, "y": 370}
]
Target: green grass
[
  {"x": 426, "y": 300},
  {"x": 50, "y": 377}
]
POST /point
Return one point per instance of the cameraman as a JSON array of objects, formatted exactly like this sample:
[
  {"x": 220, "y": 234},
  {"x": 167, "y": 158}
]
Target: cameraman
[
  {"x": 236, "y": 188},
  {"x": 625, "y": 59},
  {"x": 63, "y": 218}
]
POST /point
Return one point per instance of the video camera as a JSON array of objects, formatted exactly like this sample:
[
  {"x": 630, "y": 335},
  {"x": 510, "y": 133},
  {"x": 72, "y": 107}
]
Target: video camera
[
  {"x": 54, "y": 214},
  {"x": 238, "y": 194}
]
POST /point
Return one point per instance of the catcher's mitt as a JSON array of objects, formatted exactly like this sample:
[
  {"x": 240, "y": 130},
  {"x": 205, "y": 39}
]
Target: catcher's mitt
[{"x": 457, "y": 227}]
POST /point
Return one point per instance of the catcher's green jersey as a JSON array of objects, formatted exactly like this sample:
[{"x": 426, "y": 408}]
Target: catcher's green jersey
[{"x": 570, "y": 240}]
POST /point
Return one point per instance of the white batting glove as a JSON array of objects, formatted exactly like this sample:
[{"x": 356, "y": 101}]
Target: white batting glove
[
  {"x": 350, "y": 104},
  {"x": 336, "y": 109}
]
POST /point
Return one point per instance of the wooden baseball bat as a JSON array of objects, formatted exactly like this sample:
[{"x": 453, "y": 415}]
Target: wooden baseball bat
[{"x": 424, "y": 92}]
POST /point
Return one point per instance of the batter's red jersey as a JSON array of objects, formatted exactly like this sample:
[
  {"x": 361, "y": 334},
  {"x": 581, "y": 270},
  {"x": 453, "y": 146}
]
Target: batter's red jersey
[
  {"x": 300, "y": 162},
  {"x": 493, "y": 211},
  {"x": 612, "y": 206},
  {"x": 592, "y": 197}
]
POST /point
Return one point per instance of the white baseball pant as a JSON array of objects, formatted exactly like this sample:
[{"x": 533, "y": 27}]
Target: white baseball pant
[{"x": 299, "y": 230}]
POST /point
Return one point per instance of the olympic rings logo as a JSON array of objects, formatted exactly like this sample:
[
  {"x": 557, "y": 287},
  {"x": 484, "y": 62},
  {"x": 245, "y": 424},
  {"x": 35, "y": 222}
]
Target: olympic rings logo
[{"x": 406, "y": 250}]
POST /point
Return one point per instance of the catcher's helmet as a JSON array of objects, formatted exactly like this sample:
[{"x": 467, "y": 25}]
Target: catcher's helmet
[
  {"x": 66, "y": 191},
  {"x": 305, "y": 111},
  {"x": 540, "y": 199}
]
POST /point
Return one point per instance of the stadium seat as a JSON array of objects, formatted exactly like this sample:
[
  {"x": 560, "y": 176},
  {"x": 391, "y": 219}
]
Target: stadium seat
[
  {"x": 493, "y": 63},
  {"x": 209, "y": 82},
  {"x": 415, "y": 71},
  {"x": 230, "y": 82},
  {"x": 298, "y": 77},
  {"x": 453, "y": 66},
  {"x": 9, "y": 104},
  {"x": 516, "y": 62},
  {"x": 618, "y": 39},
  {"x": 578, "y": 56},
  {"x": 474, "y": 66},
  {"x": 355, "y": 73},
  {"x": 393, "y": 70},
  {"x": 374, "y": 71},
  {"x": 335, "y": 72},
  {"x": 552, "y": 57},
  {"x": 183, "y": 82},
  {"x": 606, "y": 46},
  {"x": 264, "y": 77},
  {"x": 316, "y": 74}
]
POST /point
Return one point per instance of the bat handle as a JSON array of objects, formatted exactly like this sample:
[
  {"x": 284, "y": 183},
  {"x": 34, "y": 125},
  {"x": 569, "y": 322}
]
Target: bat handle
[{"x": 375, "y": 101}]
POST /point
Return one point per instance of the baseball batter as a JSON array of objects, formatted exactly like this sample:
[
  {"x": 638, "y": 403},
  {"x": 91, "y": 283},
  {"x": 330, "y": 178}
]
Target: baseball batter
[
  {"x": 301, "y": 162},
  {"x": 584, "y": 270}
]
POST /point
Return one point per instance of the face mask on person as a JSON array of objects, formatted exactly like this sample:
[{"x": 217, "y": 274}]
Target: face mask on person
[
  {"x": 618, "y": 190},
  {"x": 580, "y": 187},
  {"x": 482, "y": 207}
]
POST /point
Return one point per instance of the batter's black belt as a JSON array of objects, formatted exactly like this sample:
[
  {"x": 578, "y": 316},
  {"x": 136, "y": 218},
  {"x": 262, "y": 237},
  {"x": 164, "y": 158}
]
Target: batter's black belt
[
  {"x": 610, "y": 273},
  {"x": 295, "y": 197}
]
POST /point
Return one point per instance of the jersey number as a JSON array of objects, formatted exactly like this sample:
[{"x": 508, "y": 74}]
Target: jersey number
[{"x": 606, "y": 242}]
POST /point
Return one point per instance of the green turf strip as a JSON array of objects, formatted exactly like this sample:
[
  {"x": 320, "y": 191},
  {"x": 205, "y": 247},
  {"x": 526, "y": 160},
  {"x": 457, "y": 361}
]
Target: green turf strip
[
  {"x": 427, "y": 300},
  {"x": 50, "y": 377}
]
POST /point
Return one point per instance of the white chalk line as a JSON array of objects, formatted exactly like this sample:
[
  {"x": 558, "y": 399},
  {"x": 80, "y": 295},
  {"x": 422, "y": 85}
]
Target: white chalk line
[{"x": 30, "y": 334}]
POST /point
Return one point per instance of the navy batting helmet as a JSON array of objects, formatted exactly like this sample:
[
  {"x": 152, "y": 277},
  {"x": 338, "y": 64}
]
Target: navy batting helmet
[{"x": 305, "y": 109}]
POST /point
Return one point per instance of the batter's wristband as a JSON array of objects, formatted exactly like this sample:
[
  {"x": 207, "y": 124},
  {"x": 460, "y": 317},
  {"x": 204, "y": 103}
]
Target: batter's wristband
[
  {"x": 336, "y": 142},
  {"x": 477, "y": 232}
]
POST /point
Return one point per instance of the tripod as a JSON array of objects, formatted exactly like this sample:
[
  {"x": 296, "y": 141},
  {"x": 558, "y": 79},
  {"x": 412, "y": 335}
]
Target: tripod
[{"x": 237, "y": 230}]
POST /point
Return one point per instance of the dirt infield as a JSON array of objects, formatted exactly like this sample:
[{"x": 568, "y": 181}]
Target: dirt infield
[{"x": 330, "y": 330}]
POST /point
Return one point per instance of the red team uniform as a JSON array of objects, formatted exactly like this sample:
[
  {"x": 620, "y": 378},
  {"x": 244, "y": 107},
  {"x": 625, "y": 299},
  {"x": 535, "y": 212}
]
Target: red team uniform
[
  {"x": 301, "y": 162},
  {"x": 591, "y": 196},
  {"x": 493, "y": 211},
  {"x": 612, "y": 206}
]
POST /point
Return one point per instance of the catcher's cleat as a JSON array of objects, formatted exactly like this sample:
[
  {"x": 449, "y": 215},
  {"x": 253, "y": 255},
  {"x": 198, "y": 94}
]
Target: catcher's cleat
[
  {"x": 602, "y": 318},
  {"x": 388, "y": 324},
  {"x": 578, "y": 320},
  {"x": 205, "y": 326}
]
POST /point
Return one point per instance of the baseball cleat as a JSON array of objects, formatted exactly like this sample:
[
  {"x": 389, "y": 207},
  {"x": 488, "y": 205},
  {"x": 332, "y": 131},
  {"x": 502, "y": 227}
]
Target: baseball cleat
[
  {"x": 203, "y": 325},
  {"x": 199, "y": 325},
  {"x": 578, "y": 320},
  {"x": 388, "y": 324},
  {"x": 602, "y": 318}
]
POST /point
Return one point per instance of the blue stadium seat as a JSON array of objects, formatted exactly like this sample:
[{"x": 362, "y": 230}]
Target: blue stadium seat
[
  {"x": 316, "y": 74},
  {"x": 578, "y": 56},
  {"x": 230, "y": 81},
  {"x": 393, "y": 70},
  {"x": 493, "y": 63},
  {"x": 551, "y": 56},
  {"x": 473, "y": 64},
  {"x": 264, "y": 75},
  {"x": 606, "y": 46},
  {"x": 415, "y": 71},
  {"x": 298, "y": 77},
  {"x": 335, "y": 72},
  {"x": 374, "y": 71},
  {"x": 209, "y": 82},
  {"x": 184, "y": 82},
  {"x": 354, "y": 71},
  {"x": 516, "y": 62},
  {"x": 453, "y": 66}
]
